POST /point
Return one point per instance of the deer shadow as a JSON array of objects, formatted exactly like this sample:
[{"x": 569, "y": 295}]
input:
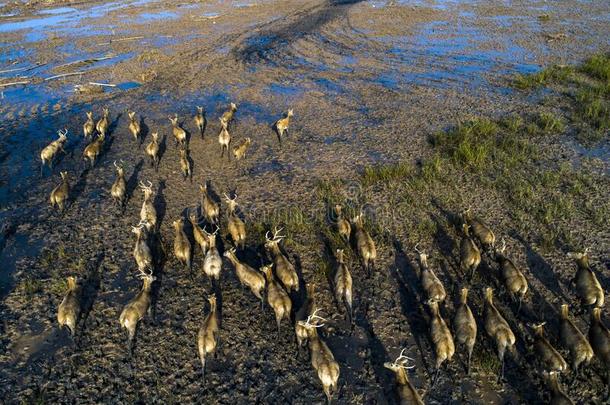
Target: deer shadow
[
  {"x": 162, "y": 148},
  {"x": 160, "y": 203},
  {"x": 159, "y": 260},
  {"x": 114, "y": 124},
  {"x": 132, "y": 182},
  {"x": 298, "y": 297},
  {"x": 90, "y": 290},
  {"x": 405, "y": 275},
  {"x": 191, "y": 165},
  {"x": 542, "y": 270},
  {"x": 378, "y": 352},
  {"x": 79, "y": 187},
  {"x": 144, "y": 131}
]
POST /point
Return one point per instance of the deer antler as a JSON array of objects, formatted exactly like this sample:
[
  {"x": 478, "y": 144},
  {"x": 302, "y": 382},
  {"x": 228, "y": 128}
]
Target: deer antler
[
  {"x": 402, "y": 360},
  {"x": 416, "y": 249}
]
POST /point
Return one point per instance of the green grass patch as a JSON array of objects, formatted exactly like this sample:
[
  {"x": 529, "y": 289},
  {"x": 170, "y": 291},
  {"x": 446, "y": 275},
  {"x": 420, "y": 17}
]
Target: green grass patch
[
  {"x": 385, "y": 174},
  {"x": 480, "y": 143},
  {"x": 30, "y": 286},
  {"x": 598, "y": 67},
  {"x": 486, "y": 361},
  {"x": 329, "y": 191},
  {"x": 549, "y": 123},
  {"x": 544, "y": 77},
  {"x": 593, "y": 108}
]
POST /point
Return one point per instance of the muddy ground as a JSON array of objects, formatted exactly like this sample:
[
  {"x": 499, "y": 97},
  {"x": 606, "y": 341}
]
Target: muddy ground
[{"x": 369, "y": 82}]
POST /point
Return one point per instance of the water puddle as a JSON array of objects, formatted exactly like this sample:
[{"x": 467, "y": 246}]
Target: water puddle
[
  {"x": 160, "y": 15},
  {"x": 59, "y": 10},
  {"x": 63, "y": 20},
  {"x": 445, "y": 54},
  {"x": 128, "y": 85}
]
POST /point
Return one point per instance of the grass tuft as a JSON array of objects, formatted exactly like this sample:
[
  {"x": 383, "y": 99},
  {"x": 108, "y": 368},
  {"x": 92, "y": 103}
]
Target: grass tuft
[
  {"x": 549, "y": 123},
  {"x": 385, "y": 174},
  {"x": 598, "y": 67},
  {"x": 543, "y": 77}
]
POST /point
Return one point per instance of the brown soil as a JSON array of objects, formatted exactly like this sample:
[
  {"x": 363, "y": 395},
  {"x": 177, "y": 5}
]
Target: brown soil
[{"x": 369, "y": 82}]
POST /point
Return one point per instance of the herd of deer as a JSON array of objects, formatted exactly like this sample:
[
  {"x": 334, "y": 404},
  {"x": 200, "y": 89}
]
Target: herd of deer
[{"x": 279, "y": 281}]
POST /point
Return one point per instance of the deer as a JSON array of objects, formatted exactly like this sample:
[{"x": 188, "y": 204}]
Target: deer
[
  {"x": 69, "y": 309},
  {"x": 514, "y": 280},
  {"x": 227, "y": 116},
  {"x": 201, "y": 237},
  {"x": 465, "y": 326},
  {"x": 548, "y": 357},
  {"x": 587, "y": 286},
  {"x": 470, "y": 256},
  {"x": 185, "y": 164},
  {"x": 212, "y": 263},
  {"x": 343, "y": 284},
  {"x": 237, "y": 228},
  {"x": 118, "y": 191},
  {"x": 343, "y": 226},
  {"x": 200, "y": 120},
  {"x": 209, "y": 207},
  {"x": 141, "y": 251},
  {"x": 104, "y": 122},
  {"x": 89, "y": 126},
  {"x": 178, "y": 131},
  {"x": 284, "y": 270},
  {"x": 430, "y": 283},
  {"x": 182, "y": 245},
  {"x": 282, "y": 124},
  {"x": 440, "y": 334},
  {"x": 137, "y": 308},
  {"x": 94, "y": 149},
  {"x": 247, "y": 275},
  {"x": 322, "y": 358},
  {"x": 134, "y": 126},
  {"x": 277, "y": 298},
  {"x": 406, "y": 392},
  {"x": 572, "y": 339},
  {"x": 61, "y": 193},
  {"x": 239, "y": 151},
  {"x": 148, "y": 213},
  {"x": 152, "y": 151},
  {"x": 224, "y": 139},
  {"x": 479, "y": 229},
  {"x": 304, "y": 311},
  {"x": 558, "y": 397},
  {"x": 599, "y": 337},
  {"x": 497, "y": 328},
  {"x": 364, "y": 244},
  {"x": 48, "y": 153},
  {"x": 209, "y": 334}
]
